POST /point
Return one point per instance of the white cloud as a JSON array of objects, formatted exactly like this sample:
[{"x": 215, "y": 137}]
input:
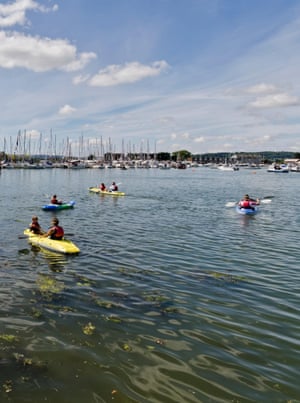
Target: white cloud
[
  {"x": 66, "y": 110},
  {"x": 80, "y": 79},
  {"x": 186, "y": 135},
  {"x": 262, "y": 88},
  {"x": 129, "y": 73},
  {"x": 260, "y": 141},
  {"x": 39, "y": 54},
  {"x": 15, "y": 13},
  {"x": 275, "y": 100},
  {"x": 166, "y": 120},
  {"x": 199, "y": 139},
  {"x": 79, "y": 63}
]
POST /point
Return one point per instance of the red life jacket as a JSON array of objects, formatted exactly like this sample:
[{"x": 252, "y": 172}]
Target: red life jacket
[
  {"x": 245, "y": 204},
  {"x": 35, "y": 228},
  {"x": 58, "y": 232}
]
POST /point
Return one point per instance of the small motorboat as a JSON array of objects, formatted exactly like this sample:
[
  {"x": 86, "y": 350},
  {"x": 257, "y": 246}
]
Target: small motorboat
[{"x": 278, "y": 168}]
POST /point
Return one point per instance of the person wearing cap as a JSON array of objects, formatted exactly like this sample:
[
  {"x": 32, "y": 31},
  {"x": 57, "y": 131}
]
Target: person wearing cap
[{"x": 55, "y": 231}]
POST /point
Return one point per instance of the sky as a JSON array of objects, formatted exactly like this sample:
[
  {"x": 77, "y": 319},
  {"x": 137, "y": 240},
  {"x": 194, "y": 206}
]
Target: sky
[{"x": 205, "y": 76}]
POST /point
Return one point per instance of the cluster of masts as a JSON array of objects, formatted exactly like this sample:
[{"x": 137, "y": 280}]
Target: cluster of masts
[{"x": 27, "y": 144}]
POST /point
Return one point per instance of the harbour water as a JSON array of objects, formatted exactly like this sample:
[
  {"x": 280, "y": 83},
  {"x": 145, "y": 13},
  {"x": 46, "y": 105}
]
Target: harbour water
[{"x": 173, "y": 298}]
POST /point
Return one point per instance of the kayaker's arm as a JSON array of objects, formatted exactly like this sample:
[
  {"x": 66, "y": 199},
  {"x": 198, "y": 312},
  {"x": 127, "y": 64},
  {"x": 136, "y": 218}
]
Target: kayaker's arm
[{"x": 50, "y": 232}]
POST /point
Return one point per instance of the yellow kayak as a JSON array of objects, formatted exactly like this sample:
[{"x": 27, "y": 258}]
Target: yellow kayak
[
  {"x": 106, "y": 192},
  {"x": 61, "y": 246}
]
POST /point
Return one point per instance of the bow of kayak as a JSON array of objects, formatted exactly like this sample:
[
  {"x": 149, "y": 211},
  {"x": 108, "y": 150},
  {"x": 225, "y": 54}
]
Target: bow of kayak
[
  {"x": 106, "y": 192},
  {"x": 247, "y": 211},
  {"x": 60, "y": 246},
  {"x": 55, "y": 207}
]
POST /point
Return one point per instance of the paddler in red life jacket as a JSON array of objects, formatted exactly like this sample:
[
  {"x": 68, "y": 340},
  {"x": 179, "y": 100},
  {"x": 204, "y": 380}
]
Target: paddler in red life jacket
[
  {"x": 55, "y": 232},
  {"x": 54, "y": 200},
  {"x": 248, "y": 203},
  {"x": 102, "y": 187},
  {"x": 35, "y": 226}
]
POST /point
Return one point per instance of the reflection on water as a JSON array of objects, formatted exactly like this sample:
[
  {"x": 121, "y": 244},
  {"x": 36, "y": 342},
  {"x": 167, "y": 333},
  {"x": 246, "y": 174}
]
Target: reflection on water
[
  {"x": 56, "y": 261},
  {"x": 174, "y": 298}
]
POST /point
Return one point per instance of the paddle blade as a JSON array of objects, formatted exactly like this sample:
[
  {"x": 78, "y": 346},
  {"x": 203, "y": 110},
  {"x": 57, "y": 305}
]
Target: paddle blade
[
  {"x": 230, "y": 204},
  {"x": 266, "y": 201}
]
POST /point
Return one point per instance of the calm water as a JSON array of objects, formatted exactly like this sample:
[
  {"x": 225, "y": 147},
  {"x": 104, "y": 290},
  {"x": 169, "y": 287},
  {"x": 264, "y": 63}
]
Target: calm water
[{"x": 174, "y": 298}]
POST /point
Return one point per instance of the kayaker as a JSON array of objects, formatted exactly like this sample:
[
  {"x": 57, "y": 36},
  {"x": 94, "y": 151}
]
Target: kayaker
[
  {"x": 35, "y": 226},
  {"x": 248, "y": 202},
  {"x": 55, "y": 232},
  {"x": 55, "y": 201},
  {"x": 113, "y": 187},
  {"x": 102, "y": 187}
]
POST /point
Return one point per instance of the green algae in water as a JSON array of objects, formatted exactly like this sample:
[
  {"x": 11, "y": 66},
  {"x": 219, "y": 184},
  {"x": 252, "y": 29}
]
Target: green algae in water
[
  {"x": 169, "y": 309},
  {"x": 84, "y": 281},
  {"x": 29, "y": 362},
  {"x": 114, "y": 319},
  {"x": 47, "y": 284},
  {"x": 105, "y": 304},
  {"x": 60, "y": 308},
  {"x": 155, "y": 298},
  {"x": 7, "y": 386},
  {"x": 226, "y": 277},
  {"x": 36, "y": 313},
  {"x": 89, "y": 329},
  {"x": 10, "y": 338}
]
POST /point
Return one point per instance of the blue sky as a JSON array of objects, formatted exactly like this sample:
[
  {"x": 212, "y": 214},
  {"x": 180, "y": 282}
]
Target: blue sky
[{"x": 151, "y": 75}]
